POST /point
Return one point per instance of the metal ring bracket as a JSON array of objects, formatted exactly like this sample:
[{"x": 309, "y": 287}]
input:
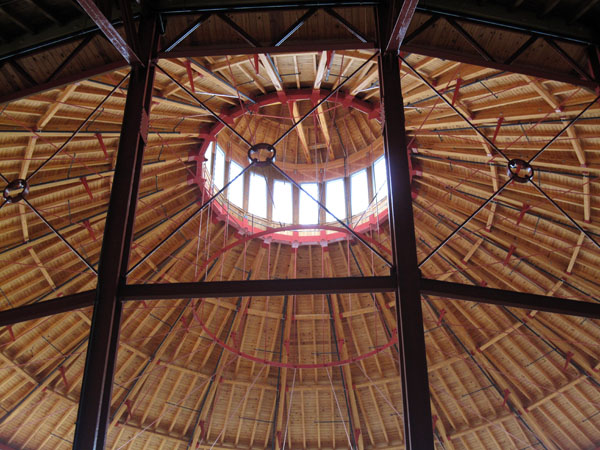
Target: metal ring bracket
[
  {"x": 16, "y": 185},
  {"x": 519, "y": 171},
  {"x": 258, "y": 150}
]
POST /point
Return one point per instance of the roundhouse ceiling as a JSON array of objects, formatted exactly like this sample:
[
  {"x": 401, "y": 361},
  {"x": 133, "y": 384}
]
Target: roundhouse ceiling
[
  {"x": 50, "y": 45},
  {"x": 307, "y": 371}
]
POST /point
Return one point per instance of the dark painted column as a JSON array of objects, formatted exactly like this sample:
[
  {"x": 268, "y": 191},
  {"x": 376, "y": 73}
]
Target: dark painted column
[
  {"x": 96, "y": 392},
  {"x": 418, "y": 431}
]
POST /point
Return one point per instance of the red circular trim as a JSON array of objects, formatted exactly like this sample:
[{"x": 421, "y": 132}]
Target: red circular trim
[
  {"x": 314, "y": 95},
  {"x": 244, "y": 355},
  {"x": 343, "y": 362},
  {"x": 268, "y": 231}
]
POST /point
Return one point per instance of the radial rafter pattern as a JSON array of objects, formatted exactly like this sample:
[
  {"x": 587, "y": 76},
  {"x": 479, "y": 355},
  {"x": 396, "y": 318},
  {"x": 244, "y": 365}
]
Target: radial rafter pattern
[{"x": 499, "y": 378}]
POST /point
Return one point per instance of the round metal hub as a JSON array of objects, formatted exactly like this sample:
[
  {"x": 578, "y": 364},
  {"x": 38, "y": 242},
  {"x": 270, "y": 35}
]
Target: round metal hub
[
  {"x": 519, "y": 171},
  {"x": 262, "y": 154},
  {"x": 16, "y": 190}
]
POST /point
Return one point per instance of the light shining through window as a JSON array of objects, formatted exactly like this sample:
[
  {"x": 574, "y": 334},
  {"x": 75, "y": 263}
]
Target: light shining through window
[
  {"x": 335, "y": 199},
  {"x": 379, "y": 174},
  {"x": 359, "y": 192},
  {"x": 278, "y": 200},
  {"x": 235, "y": 192},
  {"x": 219, "y": 171},
  {"x": 309, "y": 209},
  {"x": 257, "y": 201},
  {"x": 283, "y": 205}
]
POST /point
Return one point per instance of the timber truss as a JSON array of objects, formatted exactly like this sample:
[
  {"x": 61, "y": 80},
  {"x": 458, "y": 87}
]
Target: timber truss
[
  {"x": 141, "y": 50},
  {"x": 429, "y": 18}
]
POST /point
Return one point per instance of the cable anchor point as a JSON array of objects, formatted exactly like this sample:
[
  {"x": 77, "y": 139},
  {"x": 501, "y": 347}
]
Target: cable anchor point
[{"x": 16, "y": 191}]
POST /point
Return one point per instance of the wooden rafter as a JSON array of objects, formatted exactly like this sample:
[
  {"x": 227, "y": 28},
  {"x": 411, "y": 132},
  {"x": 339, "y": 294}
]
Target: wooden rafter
[{"x": 454, "y": 169}]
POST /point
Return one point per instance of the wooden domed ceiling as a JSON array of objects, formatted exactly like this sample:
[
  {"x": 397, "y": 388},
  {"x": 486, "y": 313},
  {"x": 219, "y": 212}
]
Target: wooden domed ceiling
[{"x": 307, "y": 371}]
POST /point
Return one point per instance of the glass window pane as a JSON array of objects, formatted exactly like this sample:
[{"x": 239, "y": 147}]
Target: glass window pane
[
  {"x": 235, "y": 192},
  {"x": 308, "y": 213},
  {"x": 359, "y": 192},
  {"x": 257, "y": 201},
  {"x": 335, "y": 199},
  {"x": 282, "y": 202},
  {"x": 219, "y": 171},
  {"x": 380, "y": 175}
]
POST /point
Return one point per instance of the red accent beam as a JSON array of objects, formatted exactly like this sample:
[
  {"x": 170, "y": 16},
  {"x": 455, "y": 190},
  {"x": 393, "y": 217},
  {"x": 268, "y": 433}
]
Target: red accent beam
[
  {"x": 401, "y": 24},
  {"x": 109, "y": 30},
  {"x": 5, "y": 447},
  {"x": 101, "y": 357},
  {"x": 47, "y": 308}
]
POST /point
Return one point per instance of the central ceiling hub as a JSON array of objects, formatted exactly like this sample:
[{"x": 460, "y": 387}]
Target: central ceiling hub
[
  {"x": 519, "y": 170},
  {"x": 16, "y": 191},
  {"x": 262, "y": 154}
]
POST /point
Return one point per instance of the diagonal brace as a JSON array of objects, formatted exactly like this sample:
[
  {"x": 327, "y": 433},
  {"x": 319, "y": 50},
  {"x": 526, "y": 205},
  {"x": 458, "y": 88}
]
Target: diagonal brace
[{"x": 109, "y": 31}]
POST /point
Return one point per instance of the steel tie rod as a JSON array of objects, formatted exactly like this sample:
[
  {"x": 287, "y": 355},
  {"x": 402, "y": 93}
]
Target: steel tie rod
[
  {"x": 60, "y": 236},
  {"x": 354, "y": 233},
  {"x": 70, "y": 138},
  {"x": 566, "y": 214},
  {"x": 331, "y": 94},
  {"x": 190, "y": 218},
  {"x": 565, "y": 128},
  {"x": 214, "y": 114},
  {"x": 466, "y": 221},
  {"x": 445, "y": 100}
]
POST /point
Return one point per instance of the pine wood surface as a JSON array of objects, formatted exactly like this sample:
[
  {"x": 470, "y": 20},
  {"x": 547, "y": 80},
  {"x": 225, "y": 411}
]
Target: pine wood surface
[{"x": 499, "y": 378}]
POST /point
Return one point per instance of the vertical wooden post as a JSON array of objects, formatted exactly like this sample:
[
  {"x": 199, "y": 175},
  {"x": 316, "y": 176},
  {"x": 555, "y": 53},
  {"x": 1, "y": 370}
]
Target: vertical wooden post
[
  {"x": 418, "y": 433},
  {"x": 96, "y": 391}
]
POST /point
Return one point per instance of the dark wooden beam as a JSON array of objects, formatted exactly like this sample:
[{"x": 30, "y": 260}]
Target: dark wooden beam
[
  {"x": 22, "y": 73},
  {"x": 47, "y": 308},
  {"x": 253, "y": 288},
  {"x": 347, "y": 25},
  {"x": 514, "y": 299},
  {"x": 185, "y": 33},
  {"x": 53, "y": 84},
  {"x": 514, "y": 67},
  {"x": 294, "y": 27},
  {"x": 418, "y": 427},
  {"x": 71, "y": 56},
  {"x": 497, "y": 15},
  {"x": 95, "y": 402},
  {"x": 314, "y": 46}
]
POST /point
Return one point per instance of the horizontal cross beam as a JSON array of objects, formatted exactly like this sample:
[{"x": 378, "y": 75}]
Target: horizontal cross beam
[
  {"x": 514, "y": 67},
  {"x": 305, "y": 286},
  {"x": 513, "y": 299},
  {"x": 314, "y": 46},
  {"x": 250, "y": 288},
  {"x": 63, "y": 81},
  {"x": 47, "y": 308}
]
